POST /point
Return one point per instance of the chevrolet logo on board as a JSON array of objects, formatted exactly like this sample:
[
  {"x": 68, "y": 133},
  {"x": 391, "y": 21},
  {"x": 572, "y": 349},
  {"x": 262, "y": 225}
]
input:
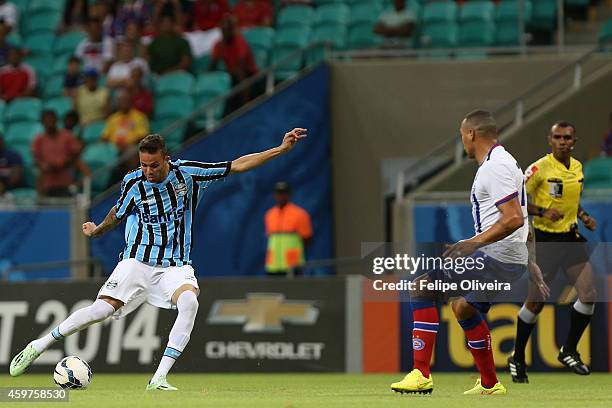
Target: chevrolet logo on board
[{"x": 263, "y": 312}]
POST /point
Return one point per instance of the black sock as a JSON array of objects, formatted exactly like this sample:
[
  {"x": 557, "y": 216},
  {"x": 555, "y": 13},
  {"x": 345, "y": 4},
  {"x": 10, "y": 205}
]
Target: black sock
[
  {"x": 523, "y": 331},
  {"x": 578, "y": 324}
]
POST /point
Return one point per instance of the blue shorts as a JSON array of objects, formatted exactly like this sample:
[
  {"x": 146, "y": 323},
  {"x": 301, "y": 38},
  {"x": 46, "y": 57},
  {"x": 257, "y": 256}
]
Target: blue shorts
[{"x": 492, "y": 271}]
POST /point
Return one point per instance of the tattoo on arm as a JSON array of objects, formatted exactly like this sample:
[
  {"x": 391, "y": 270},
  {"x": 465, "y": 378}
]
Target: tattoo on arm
[{"x": 110, "y": 222}]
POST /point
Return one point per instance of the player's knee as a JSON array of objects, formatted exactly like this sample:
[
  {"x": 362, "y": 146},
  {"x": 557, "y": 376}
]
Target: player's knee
[
  {"x": 187, "y": 302},
  {"x": 463, "y": 310},
  {"x": 534, "y": 307},
  {"x": 101, "y": 310},
  {"x": 588, "y": 296}
]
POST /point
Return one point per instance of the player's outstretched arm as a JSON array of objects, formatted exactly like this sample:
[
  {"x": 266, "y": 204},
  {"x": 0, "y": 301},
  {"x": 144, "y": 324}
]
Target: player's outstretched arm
[
  {"x": 110, "y": 221},
  {"x": 250, "y": 161}
]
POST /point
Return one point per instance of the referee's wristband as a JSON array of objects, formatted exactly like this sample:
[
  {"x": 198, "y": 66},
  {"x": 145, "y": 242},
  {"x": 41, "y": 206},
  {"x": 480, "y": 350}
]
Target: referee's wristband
[
  {"x": 541, "y": 211},
  {"x": 582, "y": 214}
]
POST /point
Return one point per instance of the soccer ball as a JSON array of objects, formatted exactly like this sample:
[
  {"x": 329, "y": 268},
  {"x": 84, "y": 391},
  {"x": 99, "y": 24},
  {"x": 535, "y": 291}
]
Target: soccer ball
[{"x": 72, "y": 372}]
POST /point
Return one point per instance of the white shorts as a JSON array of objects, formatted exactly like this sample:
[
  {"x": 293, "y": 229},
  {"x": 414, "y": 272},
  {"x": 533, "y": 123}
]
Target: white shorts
[{"x": 134, "y": 283}]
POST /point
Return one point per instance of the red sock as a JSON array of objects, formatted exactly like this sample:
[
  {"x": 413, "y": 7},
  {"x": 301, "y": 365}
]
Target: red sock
[
  {"x": 479, "y": 343},
  {"x": 425, "y": 327}
]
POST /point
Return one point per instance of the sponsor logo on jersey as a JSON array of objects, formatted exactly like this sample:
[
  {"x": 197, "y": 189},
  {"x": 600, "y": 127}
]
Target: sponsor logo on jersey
[
  {"x": 111, "y": 284},
  {"x": 181, "y": 189},
  {"x": 164, "y": 217},
  {"x": 418, "y": 344}
]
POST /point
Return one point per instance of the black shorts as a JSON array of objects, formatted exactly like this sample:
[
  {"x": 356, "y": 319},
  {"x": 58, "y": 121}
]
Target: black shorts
[{"x": 559, "y": 251}]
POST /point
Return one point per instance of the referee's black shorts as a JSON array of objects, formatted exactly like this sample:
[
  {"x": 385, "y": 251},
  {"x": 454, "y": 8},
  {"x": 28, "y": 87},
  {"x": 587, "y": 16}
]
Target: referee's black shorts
[{"x": 559, "y": 251}]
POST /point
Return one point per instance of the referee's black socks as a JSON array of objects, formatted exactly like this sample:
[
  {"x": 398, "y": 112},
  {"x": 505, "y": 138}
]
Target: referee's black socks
[
  {"x": 524, "y": 326},
  {"x": 580, "y": 318}
]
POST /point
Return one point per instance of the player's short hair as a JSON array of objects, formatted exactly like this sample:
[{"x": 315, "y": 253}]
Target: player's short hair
[
  {"x": 152, "y": 144},
  {"x": 563, "y": 124},
  {"x": 482, "y": 122}
]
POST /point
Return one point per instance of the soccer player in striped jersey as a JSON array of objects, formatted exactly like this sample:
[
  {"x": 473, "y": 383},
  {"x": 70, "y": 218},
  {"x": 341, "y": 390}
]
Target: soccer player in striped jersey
[
  {"x": 499, "y": 208},
  {"x": 155, "y": 266}
]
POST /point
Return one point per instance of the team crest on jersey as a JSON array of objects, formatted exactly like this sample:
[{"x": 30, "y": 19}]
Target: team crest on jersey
[
  {"x": 418, "y": 344},
  {"x": 181, "y": 189},
  {"x": 111, "y": 284}
]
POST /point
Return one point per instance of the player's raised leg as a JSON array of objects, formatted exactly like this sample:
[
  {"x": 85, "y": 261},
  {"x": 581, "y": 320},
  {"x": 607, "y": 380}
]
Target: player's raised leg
[
  {"x": 479, "y": 343},
  {"x": 98, "y": 311},
  {"x": 186, "y": 301},
  {"x": 425, "y": 322}
]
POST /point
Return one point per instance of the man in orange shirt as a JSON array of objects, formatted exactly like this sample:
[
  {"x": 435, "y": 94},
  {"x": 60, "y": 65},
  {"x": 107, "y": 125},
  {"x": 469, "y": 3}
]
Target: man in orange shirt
[{"x": 288, "y": 229}]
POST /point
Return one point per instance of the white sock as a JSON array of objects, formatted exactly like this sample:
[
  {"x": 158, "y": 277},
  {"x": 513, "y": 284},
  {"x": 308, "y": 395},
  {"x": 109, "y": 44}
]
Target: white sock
[
  {"x": 187, "y": 305},
  {"x": 585, "y": 309},
  {"x": 82, "y": 318},
  {"x": 527, "y": 315}
]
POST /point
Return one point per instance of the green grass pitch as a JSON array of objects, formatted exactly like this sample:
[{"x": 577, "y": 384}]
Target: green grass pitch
[{"x": 322, "y": 390}]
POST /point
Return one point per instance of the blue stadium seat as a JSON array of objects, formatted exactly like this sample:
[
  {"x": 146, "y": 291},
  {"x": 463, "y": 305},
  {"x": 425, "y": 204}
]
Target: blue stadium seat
[
  {"x": 439, "y": 12},
  {"x": 286, "y": 42},
  {"x": 47, "y": 21},
  {"x": 335, "y": 35},
  {"x": 332, "y": 14},
  {"x": 443, "y": 35},
  {"x": 54, "y": 86},
  {"x": 598, "y": 173},
  {"x": 173, "y": 107},
  {"x": 60, "y": 105},
  {"x": 477, "y": 34},
  {"x": 175, "y": 83},
  {"x": 294, "y": 16},
  {"x": 92, "y": 132},
  {"x": 97, "y": 156},
  {"x": 39, "y": 43},
  {"x": 477, "y": 11},
  {"x": 22, "y": 133},
  {"x": 22, "y": 110},
  {"x": 66, "y": 43}
]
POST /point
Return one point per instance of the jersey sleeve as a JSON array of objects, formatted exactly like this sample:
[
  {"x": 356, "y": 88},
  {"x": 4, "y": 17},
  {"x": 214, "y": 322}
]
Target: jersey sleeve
[
  {"x": 126, "y": 202},
  {"x": 305, "y": 226},
  {"x": 501, "y": 184},
  {"x": 205, "y": 173},
  {"x": 533, "y": 178}
]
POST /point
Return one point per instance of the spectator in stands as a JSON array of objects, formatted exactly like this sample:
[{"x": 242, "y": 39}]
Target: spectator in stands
[
  {"x": 11, "y": 167},
  {"x": 56, "y": 153},
  {"x": 126, "y": 127},
  {"x": 289, "y": 230},
  {"x": 96, "y": 51},
  {"x": 235, "y": 53},
  {"x": 5, "y": 46},
  {"x": 173, "y": 8},
  {"x": 397, "y": 22},
  {"x": 251, "y": 13},
  {"x": 207, "y": 14},
  {"x": 92, "y": 101},
  {"x": 142, "y": 97},
  {"x": 133, "y": 37},
  {"x": 73, "y": 77},
  {"x": 119, "y": 74},
  {"x": 9, "y": 15},
  {"x": 7, "y": 201},
  {"x": 168, "y": 51},
  {"x": 139, "y": 12},
  {"x": 17, "y": 79},
  {"x": 607, "y": 145},
  {"x": 75, "y": 15},
  {"x": 71, "y": 122}
]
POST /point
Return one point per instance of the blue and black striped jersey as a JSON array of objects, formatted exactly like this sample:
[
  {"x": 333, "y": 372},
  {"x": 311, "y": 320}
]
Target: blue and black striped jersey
[{"x": 162, "y": 231}]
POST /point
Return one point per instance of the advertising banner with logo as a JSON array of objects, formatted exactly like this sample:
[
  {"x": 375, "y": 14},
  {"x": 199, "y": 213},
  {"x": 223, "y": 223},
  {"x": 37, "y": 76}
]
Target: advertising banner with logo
[{"x": 254, "y": 325}]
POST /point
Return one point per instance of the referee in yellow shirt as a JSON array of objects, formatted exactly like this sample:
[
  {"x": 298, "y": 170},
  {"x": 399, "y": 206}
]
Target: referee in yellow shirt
[{"x": 554, "y": 185}]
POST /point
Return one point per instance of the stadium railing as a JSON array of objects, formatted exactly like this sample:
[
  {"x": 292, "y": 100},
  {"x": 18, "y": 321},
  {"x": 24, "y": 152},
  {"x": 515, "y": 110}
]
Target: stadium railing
[{"x": 509, "y": 115}]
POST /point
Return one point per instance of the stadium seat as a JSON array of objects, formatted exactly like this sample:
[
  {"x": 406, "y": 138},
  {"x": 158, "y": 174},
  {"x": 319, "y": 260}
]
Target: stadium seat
[
  {"x": 60, "y": 105},
  {"x": 54, "y": 86},
  {"x": 259, "y": 38},
  {"x": 286, "y": 42},
  {"x": 97, "y": 156},
  {"x": 438, "y": 12},
  {"x": 60, "y": 64},
  {"x": 327, "y": 2},
  {"x": 365, "y": 13},
  {"x": 24, "y": 195},
  {"x": 543, "y": 15},
  {"x": 507, "y": 12},
  {"x": 39, "y": 43},
  {"x": 605, "y": 35},
  {"x": 40, "y": 64},
  {"x": 293, "y": 16},
  {"x": 22, "y": 110},
  {"x": 476, "y": 11},
  {"x": 477, "y": 34},
  {"x": 2, "y": 108},
  {"x": 174, "y": 138},
  {"x": 14, "y": 39},
  {"x": 47, "y": 21},
  {"x": 22, "y": 133},
  {"x": 66, "y": 43},
  {"x": 209, "y": 86},
  {"x": 362, "y": 36},
  {"x": 333, "y": 14},
  {"x": 43, "y": 6},
  {"x": 173, "y": 107},
  {"x": 443, "y": 35},
  {"x": 578, "y": 3},
  {"x": 92, "y": 132},
  {"x": 175, "y": 83},
  {"x": 335, "y": 35},
  {"x": 598, "y": 173}
]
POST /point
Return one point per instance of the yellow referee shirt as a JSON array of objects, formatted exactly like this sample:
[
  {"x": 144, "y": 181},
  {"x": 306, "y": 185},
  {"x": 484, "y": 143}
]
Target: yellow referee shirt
[{"x": 551, "y": 185}]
